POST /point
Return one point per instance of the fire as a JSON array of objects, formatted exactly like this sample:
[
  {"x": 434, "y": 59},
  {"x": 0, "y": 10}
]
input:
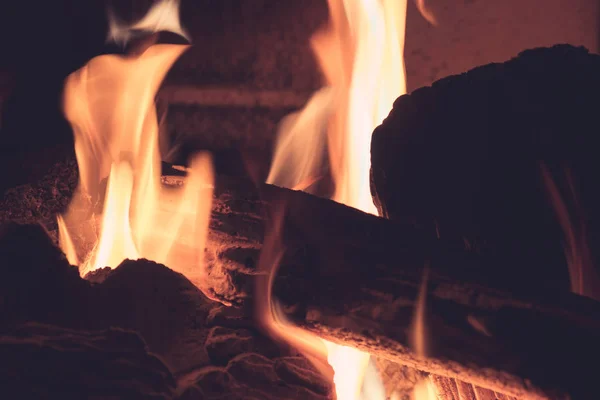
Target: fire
[
  {"x": 361, "y": 55},
  {"x": 349, "y": 366},
  {"x": 425, "y": 389},
  {"x": 110, "y": 105},
  {"x": 425, "y": 12}
]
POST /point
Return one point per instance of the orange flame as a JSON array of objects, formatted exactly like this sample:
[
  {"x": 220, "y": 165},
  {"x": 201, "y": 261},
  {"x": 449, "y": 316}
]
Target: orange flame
[
  {"x": 361, "y": 55},
  {"x": 419, "y": 343},
  {"x": 426, "y": 12},
  {"x": 349, "y": 366},
  {"x": 268, "y": 313},
  {"x": 354, "y": 374},
  {"x": 425, "y": 389},
  {"x": 110, "y": 105}
]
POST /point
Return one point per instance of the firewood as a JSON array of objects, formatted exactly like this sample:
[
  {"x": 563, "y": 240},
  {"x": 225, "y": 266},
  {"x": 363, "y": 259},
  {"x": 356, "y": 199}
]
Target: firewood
[
  {"x": 473, "y": 158},
  {"x": 138, "y": 331},
  {"x": 353, "y": 278},
  {"x": 47, "y": 361},
  {"x": 452, "y": 389}
]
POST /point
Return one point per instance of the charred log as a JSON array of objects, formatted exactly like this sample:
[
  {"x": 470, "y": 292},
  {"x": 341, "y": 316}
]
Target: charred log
[
  {"x": 353, "y": 278},
  {"x": 495, "y": 160}
]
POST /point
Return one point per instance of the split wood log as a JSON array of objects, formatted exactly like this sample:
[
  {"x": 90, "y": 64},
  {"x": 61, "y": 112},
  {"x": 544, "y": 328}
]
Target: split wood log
[
  {"x": 452, "y": 389},
  {"x": 353, "y": 279}
]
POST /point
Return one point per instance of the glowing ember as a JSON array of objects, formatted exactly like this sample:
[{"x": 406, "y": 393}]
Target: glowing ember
[
  {"x": 110, "y": 104},
  {"x": 349, "y": 365},
  {"x": 425, "y": 390}
]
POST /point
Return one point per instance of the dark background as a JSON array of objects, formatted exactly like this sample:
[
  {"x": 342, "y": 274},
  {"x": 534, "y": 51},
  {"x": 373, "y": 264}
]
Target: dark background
[{"x": 258, "y": 44}]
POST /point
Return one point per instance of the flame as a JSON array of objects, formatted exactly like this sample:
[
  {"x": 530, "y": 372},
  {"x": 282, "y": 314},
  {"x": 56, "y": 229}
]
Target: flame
[
  {"x": 349, "y": 366},
  {"x": 418, "y": 330},
  {"x": 110, "y": 105},
  {"x": 425, "y": 389},
  {"x": 299, "y": 156},
  {"x": 360, "y": 52},
  {"x": 65, "y": 241},
  {"x": 426, "y": 12},
  {"x": 116, "y": 243},
  {"x": 162, "y": 16},
  {"x": 583, "y": 276},
  {"x": 354, "y": 374},
  {"x": 268, "y": 312}
]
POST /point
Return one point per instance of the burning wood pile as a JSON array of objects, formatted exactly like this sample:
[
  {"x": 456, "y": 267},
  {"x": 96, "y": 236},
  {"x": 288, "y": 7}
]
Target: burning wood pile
[{"x": 457, "y": 261}]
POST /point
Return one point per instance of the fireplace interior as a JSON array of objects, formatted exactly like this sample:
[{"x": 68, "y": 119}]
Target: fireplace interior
[{"x": 177, "y": 221}]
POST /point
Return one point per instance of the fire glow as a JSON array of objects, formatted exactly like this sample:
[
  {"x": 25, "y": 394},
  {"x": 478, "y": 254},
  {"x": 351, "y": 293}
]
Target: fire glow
[
  {"x": 110, "y": 105},
  {"x": 360, "y": 52},
  {"x": 124, "y": 212}
]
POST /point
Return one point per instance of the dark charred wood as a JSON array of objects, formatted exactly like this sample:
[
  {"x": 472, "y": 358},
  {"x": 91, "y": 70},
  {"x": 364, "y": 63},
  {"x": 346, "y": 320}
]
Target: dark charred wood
[
  {"x": 353, "y": 278},
  {"x": 139, "y": 331},
  {"x": 46, "y": 361},
  {"x": 474, "y": 157}
]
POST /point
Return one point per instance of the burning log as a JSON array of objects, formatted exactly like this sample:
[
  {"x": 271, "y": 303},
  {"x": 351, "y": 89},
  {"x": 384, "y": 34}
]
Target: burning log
[
  {"x": 495, "y": 160},
  {"x": 140, "y": 330},
  {"x": 354, "y": 279}
]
